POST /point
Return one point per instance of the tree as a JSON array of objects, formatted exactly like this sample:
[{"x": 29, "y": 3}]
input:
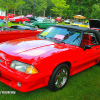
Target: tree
[
  {"x": 40, "y": 6},
  {"x": 16, "y": 3},
  {"x": 10, "y": 4},
  {"x": 60, "y": 7},
  {"x": 95, "y": 13},
  {"x": 82, "y": 7}
]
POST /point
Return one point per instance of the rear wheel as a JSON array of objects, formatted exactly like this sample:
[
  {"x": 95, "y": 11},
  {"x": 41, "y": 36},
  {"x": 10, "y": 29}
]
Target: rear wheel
[
  {"x": 59, "y": 77},
  {"x": 98, "y": 63},
  {"x": 19, "y": 22},
  {"x": 36, "y": 26}
]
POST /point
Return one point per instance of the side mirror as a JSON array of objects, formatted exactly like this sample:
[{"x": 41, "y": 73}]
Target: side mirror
[{"x": 86, "y": 47}]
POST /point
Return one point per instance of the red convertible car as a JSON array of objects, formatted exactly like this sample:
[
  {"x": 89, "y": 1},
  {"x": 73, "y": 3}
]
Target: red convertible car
[
  {"x": 94, "y": 24},
  {"x": 49, "y": 58},
  {"x": 19, "y": 19},
  {"x": 15, "y": 32}
]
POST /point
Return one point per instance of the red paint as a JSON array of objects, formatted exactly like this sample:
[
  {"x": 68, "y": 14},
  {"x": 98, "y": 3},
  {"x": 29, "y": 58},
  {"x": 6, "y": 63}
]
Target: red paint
[
  {"x": 19, "y": 18},
  {"x": 59, "y": 19},
  {"x": 9, "y": 16},
  {"x": 15, "y": 34}
]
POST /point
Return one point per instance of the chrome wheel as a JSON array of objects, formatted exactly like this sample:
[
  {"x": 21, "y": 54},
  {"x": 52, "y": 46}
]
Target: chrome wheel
[{"x": 61, "y": 77}]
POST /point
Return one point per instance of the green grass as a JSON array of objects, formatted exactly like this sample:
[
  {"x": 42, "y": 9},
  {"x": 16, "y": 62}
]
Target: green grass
[
  {"x": 63, "y": 23},
  {"x": 10, "y": 24},
  {"x": 82, "y": 86}
]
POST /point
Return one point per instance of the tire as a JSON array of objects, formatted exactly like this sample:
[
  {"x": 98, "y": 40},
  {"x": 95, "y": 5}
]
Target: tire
[
  {"x": 59, "y": 77},
  {"x": 23, "y": 22},
  {"x": 36, "y": 26},
  {"x": 19, "y": 22},
  {"x": 98, "y": 63}
]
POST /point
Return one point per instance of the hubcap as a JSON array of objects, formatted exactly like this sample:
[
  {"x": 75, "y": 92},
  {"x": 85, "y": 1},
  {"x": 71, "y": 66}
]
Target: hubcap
[
  {"x": 61, "y": 77},
  {"x": 36, "y": 26}
]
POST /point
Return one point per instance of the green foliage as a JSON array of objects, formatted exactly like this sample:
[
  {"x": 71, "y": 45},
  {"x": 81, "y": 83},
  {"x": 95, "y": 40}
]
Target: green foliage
[
  {"x": 63, "y": 8},
  {"x": 16, "y": 3},
  {"x": 60, "y": 7},
  {"x": 82, "y": 7},
  {"x": 95, "y": 11},
  {"x": 40, "y": 6},
  {"x": 10, "y": 4}
]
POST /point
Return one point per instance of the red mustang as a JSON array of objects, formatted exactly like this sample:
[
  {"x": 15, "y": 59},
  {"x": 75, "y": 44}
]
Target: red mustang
[
  {"x": 49, "y": 58},
  {"x": 19, "y": 19}
]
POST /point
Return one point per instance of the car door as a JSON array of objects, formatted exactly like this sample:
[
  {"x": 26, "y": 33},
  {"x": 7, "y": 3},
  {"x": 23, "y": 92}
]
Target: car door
[
  {"x": 43, "y": 24},
  {"x": 11, "y": 34},
  {"x": 91, "y": 56}
]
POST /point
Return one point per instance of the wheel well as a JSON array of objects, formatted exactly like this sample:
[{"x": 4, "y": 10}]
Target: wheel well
[
  {"x": 68, "y": 63},
  {"x": 37, "y": 25}
]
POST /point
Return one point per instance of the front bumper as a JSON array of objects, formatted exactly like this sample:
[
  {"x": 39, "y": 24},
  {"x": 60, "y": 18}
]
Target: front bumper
[{"x": 10, "y": 78}]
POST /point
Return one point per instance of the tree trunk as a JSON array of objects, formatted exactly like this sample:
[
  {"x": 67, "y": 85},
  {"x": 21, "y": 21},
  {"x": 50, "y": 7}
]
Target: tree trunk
[
  {"x": 21, "y": 12},
  {"x": 50, "y": 13},
  {"x": 7, "y": 8},
  {"x": 79, "y": 3},
  {"x": 44, "y": 13},
  {"x": 14, "y": 10}
]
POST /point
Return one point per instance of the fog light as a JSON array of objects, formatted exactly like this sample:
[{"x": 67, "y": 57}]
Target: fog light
[{"x": 19, "y": 84}]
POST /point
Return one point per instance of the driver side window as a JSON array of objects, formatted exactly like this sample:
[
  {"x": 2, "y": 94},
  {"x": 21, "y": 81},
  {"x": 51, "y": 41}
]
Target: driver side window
[{"x": 89, "y": 39}]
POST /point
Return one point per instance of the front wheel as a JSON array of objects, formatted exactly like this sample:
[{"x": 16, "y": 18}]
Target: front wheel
[{"x": 59, "y": 77}]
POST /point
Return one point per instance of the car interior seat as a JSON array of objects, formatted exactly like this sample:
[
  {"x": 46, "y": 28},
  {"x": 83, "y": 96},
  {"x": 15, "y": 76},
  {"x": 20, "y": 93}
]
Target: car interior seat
[{"x": 87, "y": 40}]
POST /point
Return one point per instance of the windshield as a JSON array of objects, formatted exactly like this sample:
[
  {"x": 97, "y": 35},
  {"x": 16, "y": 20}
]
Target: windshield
[
  {"x": 63, "y": 35},
  {"x": 78, "y": 23},
  {"x": 16, "y": 17},
  {"x": 39, "y": 19}
]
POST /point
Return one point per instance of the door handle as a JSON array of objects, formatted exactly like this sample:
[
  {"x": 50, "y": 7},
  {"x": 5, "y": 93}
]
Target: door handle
[{"x": 97, "y": 48}]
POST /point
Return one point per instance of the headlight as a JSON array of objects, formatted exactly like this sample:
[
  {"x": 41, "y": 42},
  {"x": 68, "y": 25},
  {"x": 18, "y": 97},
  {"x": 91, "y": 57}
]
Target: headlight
[{"x": 23, "y": 67}]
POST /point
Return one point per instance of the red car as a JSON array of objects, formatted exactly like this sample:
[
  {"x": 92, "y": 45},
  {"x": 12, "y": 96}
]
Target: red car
[
  {"x": 9, "y": 16},
  {"x": 59, "y": 19},
  {"x": 15, "y": 32},
  {"x": 49, "y": 58},
  {"x": 94, "y": 24},
  {"x": 19, "y": 19}
]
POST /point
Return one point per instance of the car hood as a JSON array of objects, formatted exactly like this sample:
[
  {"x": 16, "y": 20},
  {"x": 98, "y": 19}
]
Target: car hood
[
  {"x": 27, "y": 46},
  {"x": 32, "y": 49},
  {"x": 94, "y": 23}
]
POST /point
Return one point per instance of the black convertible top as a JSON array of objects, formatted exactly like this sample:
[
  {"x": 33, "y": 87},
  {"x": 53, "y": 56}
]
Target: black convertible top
[
  {"x": 76, "y": 28},
  {"x": 80, "y": 29},
  {"x": 18, "y": 27}
]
